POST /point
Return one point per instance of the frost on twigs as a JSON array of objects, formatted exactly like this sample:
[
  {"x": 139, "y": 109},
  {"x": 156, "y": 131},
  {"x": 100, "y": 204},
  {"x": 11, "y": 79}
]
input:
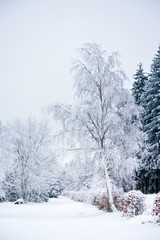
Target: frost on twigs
[
  {"x": 131, "y": 203},
  {"x": 156, "y": 207}
]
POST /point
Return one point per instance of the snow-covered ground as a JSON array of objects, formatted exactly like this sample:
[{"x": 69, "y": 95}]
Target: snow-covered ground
[{"x": 64, "y": 219}]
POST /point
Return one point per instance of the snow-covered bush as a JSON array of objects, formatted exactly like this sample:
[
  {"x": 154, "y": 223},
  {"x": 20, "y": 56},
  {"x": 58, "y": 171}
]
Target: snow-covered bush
[
  {"x": 55, "y": 189},
  {"x": 131, "y": 203},
  {"x": 80, "y": 196},
  {"x": 2, "y": 195},
  {"x": 19, "y": 201},
  {"x": 96, "y": 198},
  {"x": 156, "y": 207},
  {"x": 101, "y": 201}
]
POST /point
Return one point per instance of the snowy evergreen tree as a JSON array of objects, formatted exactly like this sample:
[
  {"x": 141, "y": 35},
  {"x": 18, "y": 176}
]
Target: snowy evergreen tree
[
  {"x": 137, "y": 92},
  {"x": 139, "y": 83},
  {"x": 151, "y": 122},
  {"x": 105, "y": 121}
]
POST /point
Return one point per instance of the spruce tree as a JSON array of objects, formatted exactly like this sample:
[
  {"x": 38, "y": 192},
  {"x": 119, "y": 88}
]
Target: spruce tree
[
  {"x": 151, "y": 123},
  {"x": 137, "y": 92},
  {"x": 139, "y": 83}
]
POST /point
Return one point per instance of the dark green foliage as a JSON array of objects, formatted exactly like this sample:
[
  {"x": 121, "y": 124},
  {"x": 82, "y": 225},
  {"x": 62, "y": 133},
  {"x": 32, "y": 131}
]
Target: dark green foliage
[
  {"x": 151, "y": 120},
  {"x": 150, "y": 101},
  {"x": 138, "y": 86}
]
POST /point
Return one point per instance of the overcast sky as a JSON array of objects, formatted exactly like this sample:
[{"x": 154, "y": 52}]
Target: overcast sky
[{"x": 38, "y": 40}]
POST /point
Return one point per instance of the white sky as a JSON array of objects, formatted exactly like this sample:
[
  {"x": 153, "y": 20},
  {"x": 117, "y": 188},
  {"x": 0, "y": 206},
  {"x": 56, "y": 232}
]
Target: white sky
[{"x": 38, "y": 39}]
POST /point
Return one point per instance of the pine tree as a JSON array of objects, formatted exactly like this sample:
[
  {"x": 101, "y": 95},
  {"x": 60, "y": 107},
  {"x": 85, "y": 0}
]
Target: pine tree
[
  {"x": 137, "y": 92},
  {"x": 138, "y": 85},
  {"x": 151, "y": 121}
]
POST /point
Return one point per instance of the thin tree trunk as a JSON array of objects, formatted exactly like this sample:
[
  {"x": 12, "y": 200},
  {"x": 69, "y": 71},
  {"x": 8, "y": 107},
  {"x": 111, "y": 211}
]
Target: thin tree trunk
[{"x": 108, "y": 187}]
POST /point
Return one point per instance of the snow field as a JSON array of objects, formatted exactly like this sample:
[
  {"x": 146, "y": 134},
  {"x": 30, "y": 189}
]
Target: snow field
[{"x": 64, "y": 219}]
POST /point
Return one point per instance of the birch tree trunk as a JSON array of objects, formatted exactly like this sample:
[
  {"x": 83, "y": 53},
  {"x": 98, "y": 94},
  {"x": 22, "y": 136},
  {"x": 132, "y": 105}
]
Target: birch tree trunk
[{"x": 108, "y": 186}]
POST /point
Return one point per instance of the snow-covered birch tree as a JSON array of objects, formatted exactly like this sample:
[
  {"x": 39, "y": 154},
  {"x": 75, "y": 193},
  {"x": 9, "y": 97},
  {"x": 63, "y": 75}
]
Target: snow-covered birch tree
[{"x": 104, "y": 122}]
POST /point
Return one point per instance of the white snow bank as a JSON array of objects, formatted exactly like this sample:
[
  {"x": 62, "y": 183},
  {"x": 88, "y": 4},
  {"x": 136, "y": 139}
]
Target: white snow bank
[{"x": 64, "y": 219}]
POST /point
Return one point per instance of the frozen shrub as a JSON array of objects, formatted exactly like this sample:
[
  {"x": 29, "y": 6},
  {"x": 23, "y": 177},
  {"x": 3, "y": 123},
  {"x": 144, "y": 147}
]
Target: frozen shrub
[
  {"x": 131, "y": 203},
  {"x": 2, "y": 195},
  {"x": 101, "y": 201},
  {"x": 19, "y": 201},
  {"x": 98, "y": 198},
  {"x": 78, "y": 196},
  {"x": 156, "y": 207}
]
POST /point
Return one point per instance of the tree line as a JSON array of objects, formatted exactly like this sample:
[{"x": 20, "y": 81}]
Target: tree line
[
  {"x": 111, "y": 134},
  {"x": 146, "y": 92}
]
